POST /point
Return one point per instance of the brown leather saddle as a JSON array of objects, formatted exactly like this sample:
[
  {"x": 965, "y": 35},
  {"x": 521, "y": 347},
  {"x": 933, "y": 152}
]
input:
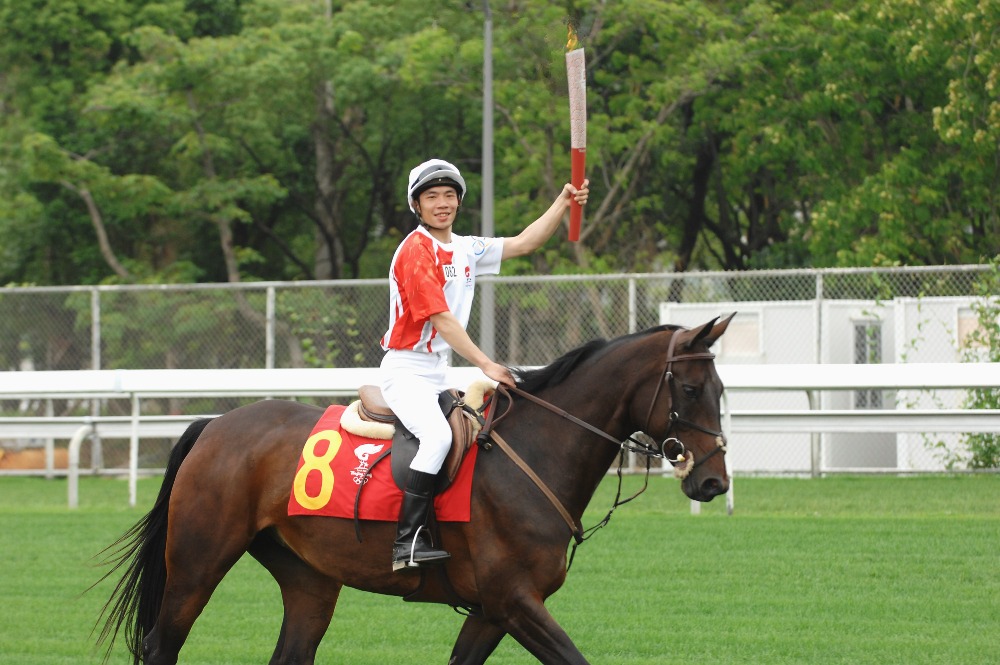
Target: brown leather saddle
[{"x": 464, "y": 427}]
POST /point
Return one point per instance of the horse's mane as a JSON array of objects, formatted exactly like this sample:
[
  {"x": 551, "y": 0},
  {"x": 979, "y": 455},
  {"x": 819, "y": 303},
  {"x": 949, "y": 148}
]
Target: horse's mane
[{"x": 533, "y": 380}]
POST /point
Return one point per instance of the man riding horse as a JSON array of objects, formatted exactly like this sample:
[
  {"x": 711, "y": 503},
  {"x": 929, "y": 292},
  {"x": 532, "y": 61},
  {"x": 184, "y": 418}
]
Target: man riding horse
[{"x": 432, "y": 281}]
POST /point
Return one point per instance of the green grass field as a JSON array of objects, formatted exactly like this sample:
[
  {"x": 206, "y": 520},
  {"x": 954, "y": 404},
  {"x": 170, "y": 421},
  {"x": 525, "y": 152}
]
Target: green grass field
[{"x": 835, "y": 570}]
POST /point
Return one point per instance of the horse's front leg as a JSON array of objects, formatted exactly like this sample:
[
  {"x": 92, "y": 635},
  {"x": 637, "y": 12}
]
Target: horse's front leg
[
  {"x": 476, "y": 641},
  {"x": 527, "y": 620}
]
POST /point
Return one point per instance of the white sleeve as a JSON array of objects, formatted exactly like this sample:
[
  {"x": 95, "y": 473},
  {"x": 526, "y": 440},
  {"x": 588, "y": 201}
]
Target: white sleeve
[{"x": 486, "y": 253}]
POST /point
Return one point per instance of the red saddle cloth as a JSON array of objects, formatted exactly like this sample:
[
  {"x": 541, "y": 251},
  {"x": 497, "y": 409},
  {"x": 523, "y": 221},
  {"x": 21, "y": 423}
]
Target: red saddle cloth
[{"x": 334, "y": 463}]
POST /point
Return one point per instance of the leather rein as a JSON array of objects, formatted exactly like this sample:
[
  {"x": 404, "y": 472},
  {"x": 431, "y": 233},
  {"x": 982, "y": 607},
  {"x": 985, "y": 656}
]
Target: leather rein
[{"x": 650, "y": 450}]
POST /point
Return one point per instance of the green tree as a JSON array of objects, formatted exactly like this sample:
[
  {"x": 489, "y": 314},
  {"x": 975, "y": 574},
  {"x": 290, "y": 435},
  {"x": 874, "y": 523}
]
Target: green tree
[
  {"x": 930, "y": 194},
  {"x": 180, "y": 140}
]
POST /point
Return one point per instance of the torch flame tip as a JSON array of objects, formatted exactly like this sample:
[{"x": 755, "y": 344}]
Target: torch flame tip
[{"x": 571, "y": 41}]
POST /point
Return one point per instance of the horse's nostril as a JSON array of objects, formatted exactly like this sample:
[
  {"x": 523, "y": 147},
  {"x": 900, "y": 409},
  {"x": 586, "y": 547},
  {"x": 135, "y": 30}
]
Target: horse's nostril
[{"x": 712, "y": 487}]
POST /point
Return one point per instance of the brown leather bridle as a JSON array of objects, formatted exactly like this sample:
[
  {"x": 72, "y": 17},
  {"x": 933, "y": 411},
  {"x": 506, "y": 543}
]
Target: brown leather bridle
[{"x": 675, "y": 419}]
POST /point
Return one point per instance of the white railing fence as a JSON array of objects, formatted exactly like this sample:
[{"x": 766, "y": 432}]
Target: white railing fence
[
  {"x": 889, "y": 316},
  {"x": 811, "y": 423}
]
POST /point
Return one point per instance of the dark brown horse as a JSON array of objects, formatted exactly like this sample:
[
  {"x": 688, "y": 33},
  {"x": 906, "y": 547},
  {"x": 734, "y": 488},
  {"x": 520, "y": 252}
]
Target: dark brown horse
[{"x": 506, "y": 561}]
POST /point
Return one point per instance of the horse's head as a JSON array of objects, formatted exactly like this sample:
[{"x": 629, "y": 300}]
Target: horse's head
[{"x": 684, "y": 413}]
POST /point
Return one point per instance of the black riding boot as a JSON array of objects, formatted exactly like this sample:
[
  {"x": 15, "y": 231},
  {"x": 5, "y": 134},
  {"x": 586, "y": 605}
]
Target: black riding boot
[{"x": 413, "y": 546}]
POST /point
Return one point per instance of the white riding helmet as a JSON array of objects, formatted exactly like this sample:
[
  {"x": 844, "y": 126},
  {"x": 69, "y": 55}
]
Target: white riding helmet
[{"x": 433, "y": 173}]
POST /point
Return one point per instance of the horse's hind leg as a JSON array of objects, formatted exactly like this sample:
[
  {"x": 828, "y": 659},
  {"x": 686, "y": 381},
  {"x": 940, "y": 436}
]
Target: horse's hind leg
[
  {"x": 195, "y": 566},
  {"x": 308, "y": 597},
  {"x": 307, "y": 616},
  {"x": 476, "y": 641}
]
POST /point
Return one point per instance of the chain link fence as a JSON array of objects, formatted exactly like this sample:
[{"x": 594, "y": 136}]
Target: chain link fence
[{"x": 849, "y": 315}]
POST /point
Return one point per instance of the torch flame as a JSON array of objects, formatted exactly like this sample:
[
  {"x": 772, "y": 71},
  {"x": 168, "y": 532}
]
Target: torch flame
[{"x": 571, "y": 41}]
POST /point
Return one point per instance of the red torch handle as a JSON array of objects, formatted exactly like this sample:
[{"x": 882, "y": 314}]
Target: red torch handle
[{"x": 579, "y": 162}]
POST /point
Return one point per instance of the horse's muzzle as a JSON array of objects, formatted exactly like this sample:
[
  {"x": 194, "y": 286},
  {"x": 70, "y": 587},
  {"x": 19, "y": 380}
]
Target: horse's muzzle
[{"x": 705, "y": 488}]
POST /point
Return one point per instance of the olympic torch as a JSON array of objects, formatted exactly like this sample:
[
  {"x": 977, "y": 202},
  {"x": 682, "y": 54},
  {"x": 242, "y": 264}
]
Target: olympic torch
[{"x": 576, "y": 75}]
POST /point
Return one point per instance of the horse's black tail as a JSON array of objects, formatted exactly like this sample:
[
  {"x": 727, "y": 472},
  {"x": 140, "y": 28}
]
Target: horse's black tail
[{"x": 135, "y": 602}]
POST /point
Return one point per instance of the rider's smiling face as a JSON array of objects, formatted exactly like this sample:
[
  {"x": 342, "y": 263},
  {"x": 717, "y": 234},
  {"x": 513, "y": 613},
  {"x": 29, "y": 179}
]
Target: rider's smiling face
[{"x": 438, "y": 207}]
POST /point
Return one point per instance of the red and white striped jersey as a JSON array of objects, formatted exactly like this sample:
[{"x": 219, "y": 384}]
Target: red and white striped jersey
[{"x": 427, "y": 277}]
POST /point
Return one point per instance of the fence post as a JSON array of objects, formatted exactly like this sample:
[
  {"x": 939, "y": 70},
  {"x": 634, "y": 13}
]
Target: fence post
[
  {"x": 95, "y": 328},
  {"x": 269, "y": 327},
  {"x": 631, "y": 305},
  {"x": 902, "y": 397},
  {"x": 50, "y": 444},
  {"x": 816, "y": 449},
  {"x": 816, "y": 439},
  {"x": 96, "y": 449},
  {"x": 133, "y": 453},
  {"x": 73, "y": 463},
  {"x": 819, "y": 317}
]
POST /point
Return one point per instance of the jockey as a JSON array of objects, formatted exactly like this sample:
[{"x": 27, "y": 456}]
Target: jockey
[{"x": 432, "y": 281}]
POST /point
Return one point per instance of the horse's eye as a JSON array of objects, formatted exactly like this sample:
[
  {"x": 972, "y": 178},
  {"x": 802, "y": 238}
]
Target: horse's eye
[{"x": 690, "y": 391}]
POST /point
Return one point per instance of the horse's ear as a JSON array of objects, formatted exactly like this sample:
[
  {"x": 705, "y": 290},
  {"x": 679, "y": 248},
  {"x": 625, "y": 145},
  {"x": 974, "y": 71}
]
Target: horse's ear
[
  {"x": 711, "y": 331},
  {"x": 718, "y": 329}
]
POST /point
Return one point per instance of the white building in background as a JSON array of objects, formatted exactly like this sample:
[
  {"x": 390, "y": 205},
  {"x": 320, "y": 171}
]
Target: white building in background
[{"x": 902, "y": 330}]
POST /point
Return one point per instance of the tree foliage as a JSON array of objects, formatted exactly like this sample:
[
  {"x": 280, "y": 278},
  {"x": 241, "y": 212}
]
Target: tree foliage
[{"x": 184, "y": 140}]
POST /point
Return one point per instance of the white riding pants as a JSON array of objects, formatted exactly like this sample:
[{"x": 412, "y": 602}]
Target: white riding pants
[{"x": 411, "y": 383}]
